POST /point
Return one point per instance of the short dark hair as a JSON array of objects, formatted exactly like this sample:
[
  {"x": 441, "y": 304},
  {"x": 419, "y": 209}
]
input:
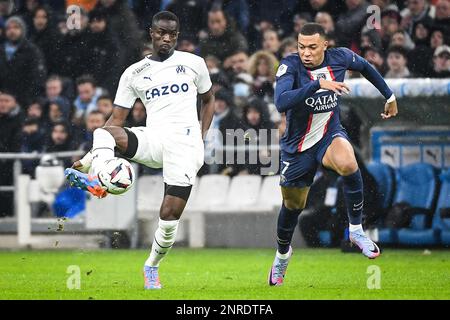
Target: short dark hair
[
  {"x": 86, "y": 78},
  {"x": 399, "y": 50},
  {"x": 165, "y": 15},
  {"x": 105, "y": 97},
  {"x": 312, "y": 28}
]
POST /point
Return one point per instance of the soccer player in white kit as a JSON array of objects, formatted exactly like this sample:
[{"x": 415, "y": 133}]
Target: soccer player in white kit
[{"x": 167, "y": 82}]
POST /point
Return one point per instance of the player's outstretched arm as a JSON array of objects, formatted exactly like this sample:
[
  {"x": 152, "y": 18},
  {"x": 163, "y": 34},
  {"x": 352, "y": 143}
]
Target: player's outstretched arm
[
  {"x": 207, "y": 111},
  {"x": 357, "y": 63}
]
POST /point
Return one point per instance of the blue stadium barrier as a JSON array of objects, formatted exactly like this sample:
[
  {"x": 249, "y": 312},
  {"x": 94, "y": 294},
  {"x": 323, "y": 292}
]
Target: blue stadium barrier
[
  {"x": 384, "y": 176},
  {"x": 325, "y": 238},
  {"x": 418, "y": 183}
]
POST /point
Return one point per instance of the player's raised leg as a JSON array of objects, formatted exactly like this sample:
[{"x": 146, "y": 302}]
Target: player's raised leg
[
  {"x": 294, "y": 201},
  {"x": 171, "y": 209},
  {"x": 83, "y": 173},
  {"x": 340, "y": 157}
]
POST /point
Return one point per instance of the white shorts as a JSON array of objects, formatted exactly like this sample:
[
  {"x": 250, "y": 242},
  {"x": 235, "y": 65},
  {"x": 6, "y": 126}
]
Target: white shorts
[{"x": 180, "y": 153}]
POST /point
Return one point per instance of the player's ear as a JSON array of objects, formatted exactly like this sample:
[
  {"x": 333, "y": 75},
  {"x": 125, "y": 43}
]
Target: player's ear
[{"x": 325, "y": 45}]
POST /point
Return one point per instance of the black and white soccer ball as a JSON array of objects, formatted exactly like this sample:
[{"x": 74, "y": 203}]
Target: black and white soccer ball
[{"x": 117, "y": 176}]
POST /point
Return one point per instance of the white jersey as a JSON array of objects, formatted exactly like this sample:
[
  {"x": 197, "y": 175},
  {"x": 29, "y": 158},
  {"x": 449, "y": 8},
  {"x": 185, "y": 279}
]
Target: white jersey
[{"x": 168, "y": 89}]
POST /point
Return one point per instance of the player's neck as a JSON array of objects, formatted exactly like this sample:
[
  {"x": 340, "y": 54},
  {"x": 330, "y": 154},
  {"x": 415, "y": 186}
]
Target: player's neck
[{"x": 161, "y": 57}]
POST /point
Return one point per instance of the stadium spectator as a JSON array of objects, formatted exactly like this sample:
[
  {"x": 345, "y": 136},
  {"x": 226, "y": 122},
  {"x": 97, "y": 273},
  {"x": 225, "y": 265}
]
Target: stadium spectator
[
  {"x": 36, "y": 110},
  {"x": 271, "y": 42},
  {"x": 441, "y": 62},
  {"x": 325, "y": 20},
  {"x": 123, "y": 24},
  {"x": 397, "y": 61},
  {"x": 222, "y": 39},
  {"x": 416, "y": 11},
  {"x": 74, "y": 48},
  {"x": 375, "y": 57},
  {"x": 224, "y": 119},
  {"x": 88, "y": 93},
  {"x": 442, "y": 17},
  {"x": 191, "y": 14},
  {"x": 61, "y": 140},
  {"x": 187, "y": 43},
  {"x": 237, "y": 63},
  {"x": 104, "y": 59},
  {"x": 54, "y": 90},
  {"x": 422, "y": 54},
  {"x": 332, "y": 7},
  {"x": 371, "y": 38},
  {"x": 299, "y": 20},
  {"x": 213, "y": 64},
  {"x": 262, "y": 67},
  {"x": 105, "y": 105},
  {"x": 390, "y": 24},
  {"x": 268, "y": 14},
  {"x": 437, "y": 38},
  {"x": 53, "y": 87},
  {"x": 10, "y": 124},
  {"x": 21, "y": 63},
  {"x": 237, "y": 10},
  {"x": 95, "y": 119},
  {"x": 402, "y": 39},
  {"x": 256, "y": 116},
  {"x": 349, "y": 23},
  {"x": 288, "y": 46},
  {"x": 56, "y": 110},
  {"x": 32, "y": 137},
  {"x": 138, "y": 115},
  {"x": 45, "y": 36}
]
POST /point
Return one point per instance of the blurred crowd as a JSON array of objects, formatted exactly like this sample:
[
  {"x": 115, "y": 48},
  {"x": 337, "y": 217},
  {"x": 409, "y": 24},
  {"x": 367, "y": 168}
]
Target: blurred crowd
[{"x": 58, "y": 75}]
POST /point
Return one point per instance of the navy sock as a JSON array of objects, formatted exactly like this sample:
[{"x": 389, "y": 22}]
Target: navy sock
[
  {"x": 354, "y": 197},
  {"x": 287, "y": 221}
]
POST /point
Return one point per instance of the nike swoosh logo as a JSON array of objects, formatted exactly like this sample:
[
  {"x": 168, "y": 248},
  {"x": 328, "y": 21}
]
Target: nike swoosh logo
[{"x": 358, "y": 204}]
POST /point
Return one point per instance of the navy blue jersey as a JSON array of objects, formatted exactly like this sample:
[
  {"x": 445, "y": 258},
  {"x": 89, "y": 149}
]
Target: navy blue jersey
[{"x": 311, "y": 112}]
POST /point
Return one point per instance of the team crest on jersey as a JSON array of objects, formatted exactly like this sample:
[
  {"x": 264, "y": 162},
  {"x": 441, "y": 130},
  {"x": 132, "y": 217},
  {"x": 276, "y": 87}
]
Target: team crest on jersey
[
  {"x": 281, "y": 70},
  {"x": 181, "y": 69}
]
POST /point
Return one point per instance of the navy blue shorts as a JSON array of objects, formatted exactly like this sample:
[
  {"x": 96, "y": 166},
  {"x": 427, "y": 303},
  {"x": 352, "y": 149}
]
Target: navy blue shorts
[{"x": 298, "y": 169}]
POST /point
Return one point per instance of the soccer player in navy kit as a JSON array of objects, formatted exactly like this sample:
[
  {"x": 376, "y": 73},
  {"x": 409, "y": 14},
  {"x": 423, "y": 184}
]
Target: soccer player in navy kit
[{"x": 308, "y": 88}]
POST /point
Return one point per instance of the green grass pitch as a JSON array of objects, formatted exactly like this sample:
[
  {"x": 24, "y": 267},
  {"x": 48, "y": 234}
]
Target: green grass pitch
[{"x": 225, "y": 274}]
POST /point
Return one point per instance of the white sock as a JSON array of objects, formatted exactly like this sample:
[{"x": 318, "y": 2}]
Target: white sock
[
  {"x": 163, "y": 241},
  {"x": 283, "y": 255},
  {"x": 354, "y": 227},
  {"x": 102, "y": 149}
]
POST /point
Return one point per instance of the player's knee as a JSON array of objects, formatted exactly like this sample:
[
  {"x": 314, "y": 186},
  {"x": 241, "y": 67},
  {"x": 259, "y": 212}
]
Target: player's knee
[
  {"x": 170, "y": 212},
  {"x": 295, "y": 204},
  {"x": 119, "y": 134},
  {"x": 347, "y": 168}
]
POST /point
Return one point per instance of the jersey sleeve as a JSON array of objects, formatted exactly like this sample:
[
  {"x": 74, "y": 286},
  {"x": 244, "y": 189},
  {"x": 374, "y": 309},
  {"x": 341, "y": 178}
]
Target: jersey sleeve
[
  {"x": 202, "y": 81},
  {"x": 286, "y": 96},
  {"x": 125, "y": 95},
  {"x": 358, "y": 63}
]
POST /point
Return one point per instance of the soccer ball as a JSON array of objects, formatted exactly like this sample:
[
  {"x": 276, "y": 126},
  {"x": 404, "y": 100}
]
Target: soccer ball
[{"x": 117, "y": 175}]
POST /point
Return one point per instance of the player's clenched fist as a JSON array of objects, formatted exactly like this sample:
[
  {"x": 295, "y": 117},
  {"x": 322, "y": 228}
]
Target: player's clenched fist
[
  {"x": 338, "y": 87},
  {"x": 390, "y": 110}
]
